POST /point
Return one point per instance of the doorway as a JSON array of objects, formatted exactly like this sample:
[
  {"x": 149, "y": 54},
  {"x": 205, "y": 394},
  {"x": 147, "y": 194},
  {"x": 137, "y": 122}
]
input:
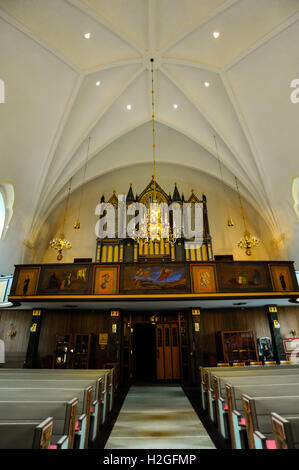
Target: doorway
[
  {"x": 144, "y": 352},
  {"x": 168, "y": 352}
]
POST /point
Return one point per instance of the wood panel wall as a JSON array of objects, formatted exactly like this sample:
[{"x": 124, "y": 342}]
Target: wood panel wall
[
  {"x": 15, "y": 347},
  {"x": 82, "y": 322},
  {"x": 214, "y": 320},
  {"x": 88, "y": 321}
]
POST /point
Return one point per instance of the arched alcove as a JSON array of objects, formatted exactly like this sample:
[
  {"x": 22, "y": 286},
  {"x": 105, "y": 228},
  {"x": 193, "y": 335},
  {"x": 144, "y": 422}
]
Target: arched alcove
[
  {"x": 7, "y": 199},
  {"x": 295, "y": 194}
]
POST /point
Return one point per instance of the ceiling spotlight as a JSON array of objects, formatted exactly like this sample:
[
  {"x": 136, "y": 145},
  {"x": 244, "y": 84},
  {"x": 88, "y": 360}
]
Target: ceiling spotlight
[
  {"x": 129, "y": 107},
  {"x": 98, "y": 83},
  {"x": 216, "y": 34},
  {"x": 87, "y": 35},
  {"x": 207, "y": 84},
  {"x": 175, "y": 106}
]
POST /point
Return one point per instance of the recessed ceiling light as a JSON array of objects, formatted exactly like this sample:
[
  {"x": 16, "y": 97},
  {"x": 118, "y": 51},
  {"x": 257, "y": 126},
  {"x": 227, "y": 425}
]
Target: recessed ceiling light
[
  {"x": 175, "y": 106},
  {"x": 129, "y": 107},
  {"x": 98, "y": 83},
  {"x": 216, "y": 34},
  {"x": 87, "y": 35},
  {"x": 207, "y": 84}
]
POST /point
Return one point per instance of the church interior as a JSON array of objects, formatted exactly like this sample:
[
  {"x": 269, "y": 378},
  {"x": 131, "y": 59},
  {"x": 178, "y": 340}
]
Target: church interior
[{"x": 149, "y": 236}]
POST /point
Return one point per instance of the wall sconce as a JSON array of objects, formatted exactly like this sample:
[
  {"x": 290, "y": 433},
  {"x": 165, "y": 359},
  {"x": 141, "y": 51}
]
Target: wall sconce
[{"x": 12, "y": 332}]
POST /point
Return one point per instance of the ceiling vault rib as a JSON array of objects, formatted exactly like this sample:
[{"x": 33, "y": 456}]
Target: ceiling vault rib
[
  {"x": 250, "y": 193},
  {"x": 203, "y": 113},
  {"x": 49, "y": 207},
  {"x": 95, "y": 16},
  {"x": 23, "y": 29},
  {"x": 111, "y": 65},
  {"x": 245, "y": 127},
  {"x": 190, "y": 63},
  {"x": 61, "y": 126},
  {"x": 225, "y": 6},
  {"x": 90, "y": 129},
  {"x": 271, "y": 35},
  {"x": 151, "y": 25}
]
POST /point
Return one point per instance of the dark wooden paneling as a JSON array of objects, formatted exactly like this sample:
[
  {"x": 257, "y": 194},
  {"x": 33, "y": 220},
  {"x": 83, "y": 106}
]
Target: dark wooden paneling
[
  {"x": 214, "y": 320},
  {"x": 288, "y": 318},
  {"x": 15, "y": 347}
]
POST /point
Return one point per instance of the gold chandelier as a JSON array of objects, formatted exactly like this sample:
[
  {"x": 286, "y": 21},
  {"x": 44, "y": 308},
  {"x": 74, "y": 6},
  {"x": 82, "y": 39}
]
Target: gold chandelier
[
  {"x": 248, "y": 241},
  {"x": 154, "y": 229},
  {"x": 61, "y": 243}
]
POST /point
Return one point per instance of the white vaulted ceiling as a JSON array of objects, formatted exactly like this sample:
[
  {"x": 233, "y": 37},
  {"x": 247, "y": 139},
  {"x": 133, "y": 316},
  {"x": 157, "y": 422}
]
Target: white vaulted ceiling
[{"x": 53, "y": 104}]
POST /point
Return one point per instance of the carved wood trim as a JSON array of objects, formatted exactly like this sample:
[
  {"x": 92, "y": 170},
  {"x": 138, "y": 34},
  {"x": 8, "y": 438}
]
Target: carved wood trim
[
  {"x": 282, "y": 431},
  {"x": 72, "y": 410},
  {"x": 88, "y": 398},
  {"x": 230, "y": 414},
  {"x": 249, "y": 410}
]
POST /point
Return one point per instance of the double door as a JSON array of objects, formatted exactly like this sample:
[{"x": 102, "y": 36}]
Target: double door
[{"x": 167, "y": 351}]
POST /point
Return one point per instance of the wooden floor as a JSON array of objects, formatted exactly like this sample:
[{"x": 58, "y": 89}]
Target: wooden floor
[{"x": 158, "y": 417}]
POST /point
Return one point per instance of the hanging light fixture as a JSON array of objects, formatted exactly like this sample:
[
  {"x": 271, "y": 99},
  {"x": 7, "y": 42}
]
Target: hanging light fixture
[
  {"x": 154, "y": 229},
  {"x": 248, "y": 241},
  {"x": 230, "y": 222},
  {"x": 61, "y": 243},
  {"x": 77, "y": 224}
]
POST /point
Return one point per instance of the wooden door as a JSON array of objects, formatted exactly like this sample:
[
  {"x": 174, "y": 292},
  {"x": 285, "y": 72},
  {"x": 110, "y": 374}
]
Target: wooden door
[{"x": 168, "y": 354}]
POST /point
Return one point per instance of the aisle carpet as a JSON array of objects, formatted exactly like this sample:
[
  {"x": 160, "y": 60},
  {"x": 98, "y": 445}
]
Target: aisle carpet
[{"x": 158, "y": 417}]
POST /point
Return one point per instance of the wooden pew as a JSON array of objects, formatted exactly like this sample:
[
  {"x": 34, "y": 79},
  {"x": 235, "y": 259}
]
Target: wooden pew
[
  {"x": 286, "y": 431},
  {"x": 258, "y": 417},
  {"x": 211, "y": 393},
  {"x": 44, "y": 394},
  {"x": 206, "y": 374},
  {"x": 63, "y": 413},
  {"x": 107, "y": 374},
  {"x": 26, "y": 434},
  {"x": 235, "y": 404},
  {"x": 92, "y": 402},
  {"x": 221, "y": 401}
]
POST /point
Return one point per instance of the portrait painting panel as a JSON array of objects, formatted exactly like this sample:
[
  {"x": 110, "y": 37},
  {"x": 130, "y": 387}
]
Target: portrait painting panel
[
  {"x": 203, "y": 278},
  {"x": 281, "y": 278},
  {"x": 106, "y": 280},
  {"x": 64, "y": 279},
  {"x": 27, "y": 281}
]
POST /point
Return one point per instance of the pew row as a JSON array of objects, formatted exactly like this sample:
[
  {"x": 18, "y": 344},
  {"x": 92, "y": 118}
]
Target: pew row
[
  {"x": 43, "y": 394},
  {"x": 92, "y": 401},
  {"x": 286, "y": 431},
  {"x": 75, "y": 374},
  {"x": 26, "y": 434},
  {"x": 236, "y": 418},
  {"x": 62, "y": 412},
  {"x": 258, "y": 411}
]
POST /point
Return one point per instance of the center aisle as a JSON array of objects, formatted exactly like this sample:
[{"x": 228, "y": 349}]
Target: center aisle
[{"x": 158, "y": 417}]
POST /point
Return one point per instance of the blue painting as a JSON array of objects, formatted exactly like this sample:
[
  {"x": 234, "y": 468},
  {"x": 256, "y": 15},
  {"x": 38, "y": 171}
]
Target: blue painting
[{"x": 154, "y": 277}]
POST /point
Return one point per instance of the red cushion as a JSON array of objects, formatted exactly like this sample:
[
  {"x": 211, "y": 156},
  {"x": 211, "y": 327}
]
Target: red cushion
[
  {"x": 242, "y": 422},
  {"x": 77, "y": 426},
  {"x": 271, "y": 444},
  {"x": 91, "y": 410},
  {"x": 225, "y": 407},
  {"x": 52, "y": 447}
]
